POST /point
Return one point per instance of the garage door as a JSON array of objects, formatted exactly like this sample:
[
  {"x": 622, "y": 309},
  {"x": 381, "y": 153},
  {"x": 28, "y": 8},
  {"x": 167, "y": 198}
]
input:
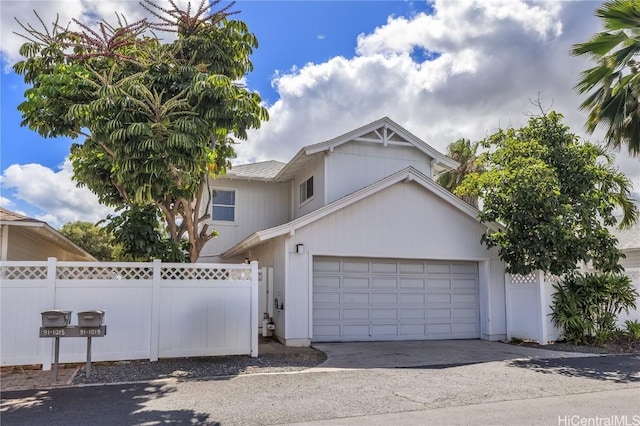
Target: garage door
[{"x": 357, "y": 299}]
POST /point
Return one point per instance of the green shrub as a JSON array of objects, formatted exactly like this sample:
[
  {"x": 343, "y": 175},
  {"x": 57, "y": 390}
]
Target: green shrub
[
  {"x": 586, "y": 306},
  {"x": 632, "y": 329}
]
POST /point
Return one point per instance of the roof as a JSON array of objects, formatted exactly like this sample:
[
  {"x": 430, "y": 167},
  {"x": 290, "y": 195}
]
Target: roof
[
  {"x": 406, "y": 175},
  {"x": 264, "y": 170},
  {"x": 9, "y": 216},
  {"x": 383, "y": 130},
  {"x": 43, "y": 230},
  {"x": 628, "y": 239}
]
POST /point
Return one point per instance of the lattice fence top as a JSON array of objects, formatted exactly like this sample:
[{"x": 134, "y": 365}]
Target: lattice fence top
[
  {"x": 23, "y": 272},
  {"x": 523, "y": 279},
  {"x": 182, "y": 273},
  {"x": 104, "y": 273}
]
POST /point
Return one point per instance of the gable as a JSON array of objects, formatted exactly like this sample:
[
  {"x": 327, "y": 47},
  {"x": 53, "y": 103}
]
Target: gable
[{"x": 403, "y": 176}]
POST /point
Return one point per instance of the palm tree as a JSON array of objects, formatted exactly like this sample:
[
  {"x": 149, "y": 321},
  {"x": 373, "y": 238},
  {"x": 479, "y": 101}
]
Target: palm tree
[
  {"x": 464, "y": 152},
  {"x": 614, "y": 82}
]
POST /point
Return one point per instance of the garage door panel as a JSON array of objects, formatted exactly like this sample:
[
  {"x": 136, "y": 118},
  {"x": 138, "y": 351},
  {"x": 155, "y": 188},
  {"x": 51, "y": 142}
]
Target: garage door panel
[
  {"x": 412, "y": 330},
  {"x": 355, "y": 282},
  {"x": 465, "y": 284},
  {"x": 384, "y": 283},
  {"x": 384, "y": 298},
  {"x": 326, "y": 314},
  {"x": 384, "y": 314},
  {"x": 355, "y": 330},
  {"x": 384, "y": 268},
  {"x": 439, "y": 298},
  {"x": 355, "y": 314},
  {"x": 326, "y": 265},
  {"x": 438, "y": 268},
  {"x": 412, "y": 283},
  {"x": 359, "y": 299},
  {"x": 464, "y": 268},
  {"x": 438, "y": 313},
  {"x": 384, "y": 330},
  {"x": 326, "y": 282},
  {"x": 412, "y": 298},
  {"x": 439, "y": 328},
  {"x": 407, "y": 314},
  {"x": 412, "y": 268},
  {"x": 463, "y": 298},
  {"x": 355, "y": 266},
  {"x": 355, "y": 298},
  {"x": 465, "y": 313},
  {"x": 326, "y": 298},
  {"x": 442, "y": 283}
]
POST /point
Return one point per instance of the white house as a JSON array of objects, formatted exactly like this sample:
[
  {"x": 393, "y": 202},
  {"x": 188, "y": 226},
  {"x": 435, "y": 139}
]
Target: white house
[{"x": 363, "y": 243}]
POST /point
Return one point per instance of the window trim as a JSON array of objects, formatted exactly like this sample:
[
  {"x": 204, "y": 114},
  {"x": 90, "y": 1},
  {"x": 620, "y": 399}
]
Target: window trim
[
  {"x": 235, "y": 206},
  {"x": 307, "y": 200}
]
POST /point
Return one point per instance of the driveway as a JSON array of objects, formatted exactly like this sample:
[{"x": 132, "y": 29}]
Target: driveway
[
  {"x": 478, "y": 383},
  {"x": 428, "y": 353}
]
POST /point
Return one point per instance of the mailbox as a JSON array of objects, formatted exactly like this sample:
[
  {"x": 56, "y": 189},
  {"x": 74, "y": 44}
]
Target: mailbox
[
  {"x": 90, "y": 318},
  {"x": 56, "y": 318}
]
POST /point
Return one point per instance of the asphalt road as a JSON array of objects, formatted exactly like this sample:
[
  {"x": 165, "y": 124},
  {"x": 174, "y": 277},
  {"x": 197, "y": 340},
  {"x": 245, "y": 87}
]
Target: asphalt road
[{"x": 539, "y": 391}]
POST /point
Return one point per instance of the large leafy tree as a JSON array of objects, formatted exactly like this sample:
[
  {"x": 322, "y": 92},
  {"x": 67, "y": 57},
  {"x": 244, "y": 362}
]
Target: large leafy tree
[
  {"x": 613, "y": 85},
  {"x": 94, "y": 239},
  {"x": 555, "y": 195},
  {"x": 156, "y": 117},
  {"x": 465, "y": 153}
]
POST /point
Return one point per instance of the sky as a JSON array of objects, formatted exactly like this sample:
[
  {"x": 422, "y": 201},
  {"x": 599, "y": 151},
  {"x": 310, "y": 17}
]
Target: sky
[{"x": 443, "y": 70}]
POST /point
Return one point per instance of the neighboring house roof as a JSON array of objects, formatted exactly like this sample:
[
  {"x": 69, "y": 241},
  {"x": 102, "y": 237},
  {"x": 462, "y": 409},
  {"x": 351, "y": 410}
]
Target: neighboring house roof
[
  {"x": 628, "y": 239},
  {"x": 384, "y": 131},
  {"x": 406, "y": 175},
  {"x": 42, "y": 231},
  {"x": 265, "y": 170}
]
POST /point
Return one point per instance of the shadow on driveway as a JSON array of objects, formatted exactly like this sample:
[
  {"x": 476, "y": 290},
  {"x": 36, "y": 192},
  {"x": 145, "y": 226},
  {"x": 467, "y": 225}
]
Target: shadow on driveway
[
  {"x": 95, "y": 405},
  {"x": 616, "y": 368}
]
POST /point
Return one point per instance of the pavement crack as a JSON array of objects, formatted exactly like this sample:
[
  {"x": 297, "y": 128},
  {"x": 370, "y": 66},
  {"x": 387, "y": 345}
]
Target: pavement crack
[{"x": 408, "y": 398}]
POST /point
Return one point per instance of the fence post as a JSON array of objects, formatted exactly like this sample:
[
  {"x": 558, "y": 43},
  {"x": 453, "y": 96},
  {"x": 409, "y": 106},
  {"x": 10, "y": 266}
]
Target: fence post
[
  {"x": 254, "y": 308},
  {"x": 508, "y": 302},
  {"x": 154, "y": 347},
  {"x": 544, "y": 335},
  {"x": 50, "y": 296}
]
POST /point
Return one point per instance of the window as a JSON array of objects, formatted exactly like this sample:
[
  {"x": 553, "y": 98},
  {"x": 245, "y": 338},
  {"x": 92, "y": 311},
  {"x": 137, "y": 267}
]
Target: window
[
  {"x": 224, "y": 206},
  {"x": 306, "y": 190}
]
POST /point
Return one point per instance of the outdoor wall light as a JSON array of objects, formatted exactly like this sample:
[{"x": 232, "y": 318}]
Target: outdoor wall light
[{"x": 299, "y": 248}]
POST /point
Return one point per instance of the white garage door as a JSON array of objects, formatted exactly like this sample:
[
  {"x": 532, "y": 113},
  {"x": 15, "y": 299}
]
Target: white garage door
[{"x": 357, "y": 299}]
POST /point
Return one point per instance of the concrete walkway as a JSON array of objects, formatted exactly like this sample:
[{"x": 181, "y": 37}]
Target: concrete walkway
[{"x": 428, "y": 353}]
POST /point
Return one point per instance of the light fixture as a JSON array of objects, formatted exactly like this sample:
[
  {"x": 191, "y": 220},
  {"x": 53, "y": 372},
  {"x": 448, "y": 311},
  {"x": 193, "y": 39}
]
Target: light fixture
[{"x": 299, "y": 248}]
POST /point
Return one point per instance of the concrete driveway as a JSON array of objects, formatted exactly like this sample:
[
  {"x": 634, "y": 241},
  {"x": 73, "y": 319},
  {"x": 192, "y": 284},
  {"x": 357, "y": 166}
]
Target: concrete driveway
[
  {"x": 428, "y": 353},
  {"x": 448, "y": 382}
]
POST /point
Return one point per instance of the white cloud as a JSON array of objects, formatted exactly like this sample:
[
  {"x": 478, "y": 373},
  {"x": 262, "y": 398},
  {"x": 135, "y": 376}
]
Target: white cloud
[
  {"x": 5, "y": 202},
  {"x": 53, "y": 192},
  {"x": 495, "y": 56}
]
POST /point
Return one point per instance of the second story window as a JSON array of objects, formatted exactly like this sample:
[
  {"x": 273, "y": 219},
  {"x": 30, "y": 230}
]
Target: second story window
[
  {"x": 306, "y": 190},
  {"x": 223, "y": 206}
]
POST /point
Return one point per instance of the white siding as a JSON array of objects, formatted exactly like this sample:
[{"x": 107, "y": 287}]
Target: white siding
[
  {"x": 259, "y": 205},
  {"x": 315, "y": 169},
  {"x": 404, "y": 221},
  {"x": 355, "y": 165}
]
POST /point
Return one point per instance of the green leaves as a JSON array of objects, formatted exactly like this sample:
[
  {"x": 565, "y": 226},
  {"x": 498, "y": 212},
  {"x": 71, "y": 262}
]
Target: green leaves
[
  {"x": 150, "y": 110},
  {"x": 587, "y": 306},
  {"x": 613, "y": 85},
  {"x": 554, "y": 194}
]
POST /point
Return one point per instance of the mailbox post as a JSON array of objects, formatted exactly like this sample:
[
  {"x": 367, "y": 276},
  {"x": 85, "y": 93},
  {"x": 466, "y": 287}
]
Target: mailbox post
[{"x": 55, "y": 324}]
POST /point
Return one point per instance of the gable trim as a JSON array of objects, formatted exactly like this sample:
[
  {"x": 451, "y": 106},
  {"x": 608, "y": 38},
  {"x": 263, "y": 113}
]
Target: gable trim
[{"x": 404, "y": 176}]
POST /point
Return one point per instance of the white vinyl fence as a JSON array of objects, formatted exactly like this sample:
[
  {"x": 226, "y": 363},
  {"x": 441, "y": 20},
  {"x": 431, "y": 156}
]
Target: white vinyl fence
[
  {"x": 529, "y": 299},
  {"x": 152, "y": 310}
]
